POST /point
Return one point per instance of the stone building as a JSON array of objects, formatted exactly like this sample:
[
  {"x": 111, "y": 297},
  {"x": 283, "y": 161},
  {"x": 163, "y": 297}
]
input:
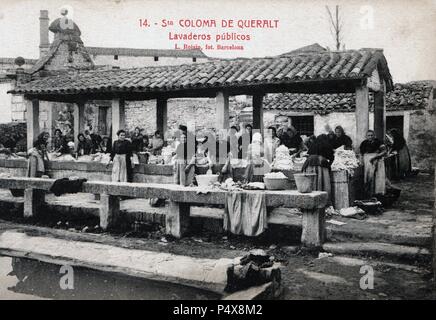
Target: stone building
[{"x": 51, "y": 59}]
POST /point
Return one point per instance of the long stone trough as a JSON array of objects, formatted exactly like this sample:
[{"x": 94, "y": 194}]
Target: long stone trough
[{"x": 181, "y": 198}]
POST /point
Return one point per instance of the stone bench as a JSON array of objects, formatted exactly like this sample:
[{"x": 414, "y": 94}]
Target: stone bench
[{"x": 181, "y": 198}]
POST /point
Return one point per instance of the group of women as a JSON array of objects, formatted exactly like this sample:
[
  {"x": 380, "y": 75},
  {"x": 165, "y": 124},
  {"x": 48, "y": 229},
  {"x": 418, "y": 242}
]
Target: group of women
[
  {"x": 372, "y": 153},
  {"x": 193, "y": 156}
]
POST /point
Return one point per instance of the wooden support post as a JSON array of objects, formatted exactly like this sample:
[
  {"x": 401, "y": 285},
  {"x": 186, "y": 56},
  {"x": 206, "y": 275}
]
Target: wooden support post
[
  {"x": 258, "y": 112},
  {"x": 380, "y": 115},
  {"x": 313, "y": 233},
  {"x": 177, "y": 219},
  {"x": 109, "y": 211},
  {"x": 161, "y": 115},
  {"x": 32, "y": 121},
  {"x": 222, "y": 110},
  {"x": 118, "y": 117},
  {"x": 79, "y": 115},
  {"x": 362, "y": 114},
  {"x": 33, "y": 199}
]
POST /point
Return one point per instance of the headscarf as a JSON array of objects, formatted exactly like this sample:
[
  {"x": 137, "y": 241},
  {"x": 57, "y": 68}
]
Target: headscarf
[{"x": 257, "y": 137}]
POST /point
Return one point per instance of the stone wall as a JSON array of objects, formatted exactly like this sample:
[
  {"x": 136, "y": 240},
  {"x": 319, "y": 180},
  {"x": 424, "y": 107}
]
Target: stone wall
[
  {"x": 422, "y": 139},
  {"x": 199, "y": 111}
]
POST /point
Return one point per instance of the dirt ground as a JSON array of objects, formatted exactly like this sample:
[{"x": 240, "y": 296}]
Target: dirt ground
[{"x": 304, "y": 274}]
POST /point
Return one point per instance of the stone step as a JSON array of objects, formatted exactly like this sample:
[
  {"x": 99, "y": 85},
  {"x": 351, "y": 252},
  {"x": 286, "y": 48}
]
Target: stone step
[{"x": 394, "y": 252}]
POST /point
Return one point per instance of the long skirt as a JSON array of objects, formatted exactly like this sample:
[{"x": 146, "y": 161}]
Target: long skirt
[
  {"x": 35, "y": 166},
  {"x": 181, "y": 177},
  {"x": 322, "y": 180},
  {"x": 119, "y": 168},
  {"x": 404, "y": 163},
  {"x": 374, "y": 175}
]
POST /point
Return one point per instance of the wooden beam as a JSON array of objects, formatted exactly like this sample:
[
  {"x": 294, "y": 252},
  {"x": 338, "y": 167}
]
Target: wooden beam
[
  {"x": 222, "y": 110},
  {"x": 79, "y": 115},
  {"x": 362, "y": 114},
  {"x": 118, "y": 117},
  {"x": 32, "y": 121},
  {"x": 258, "y": 112},
  {"x": 162, "y": 115},
  {"x": 380, "y": 114}
]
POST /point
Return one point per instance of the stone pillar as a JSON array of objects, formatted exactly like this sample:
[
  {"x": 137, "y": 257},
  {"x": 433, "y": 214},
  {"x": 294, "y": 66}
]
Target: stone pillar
[
  {"x": 362, "y": 114},
  {"x": 222, "y": 110},
  {"x": 313, "y": 228},
  {"x": 79, "y": 115},
  {"x": 380, "y": 115},
  {"x": 118, "y": 117},
  {"x": 177, "y": 219},
  {"x": 33, "y": 199},
  {"x": 258, "y": 112},
  {"x": 109, "y": 211},
  {"x": 32, "y": 121},
  {"x": 161, "y": 115}
]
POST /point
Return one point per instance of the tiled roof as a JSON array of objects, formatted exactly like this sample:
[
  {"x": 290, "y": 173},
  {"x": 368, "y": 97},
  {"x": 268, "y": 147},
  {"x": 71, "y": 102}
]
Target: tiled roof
[
  {"x": 407, "y": 96},
  {"x": 315, "y": 47},
  {"x": 146, "y": 52},
  {"x": 310, "y": 67}
]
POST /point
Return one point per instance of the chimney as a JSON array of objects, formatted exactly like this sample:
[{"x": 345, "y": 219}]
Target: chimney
[{"x": 44, "y": 43}]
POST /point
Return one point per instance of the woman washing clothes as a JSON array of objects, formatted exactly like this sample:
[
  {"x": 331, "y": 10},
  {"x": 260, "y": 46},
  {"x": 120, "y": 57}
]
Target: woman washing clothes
[
  {"x": 372, "y": 152},
  {"x": 272, "y": 142},
  {"x": 321, "y": 156},
  {"x": 182, "y": 174},
  {"x": 399, "y": 145},
  {"x": 38, "y": 157},
  {"x": 201, "y": 162},
  {"x": 121, "y": 158},
  {"x": 256, "y": 160},
  {"x": 341, "y": 139},
  {"x": 84, "y": 146}
]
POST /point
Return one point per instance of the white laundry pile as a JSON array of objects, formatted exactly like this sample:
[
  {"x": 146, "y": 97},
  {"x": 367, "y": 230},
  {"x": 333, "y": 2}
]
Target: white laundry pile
[{"x": 345, "y": 160}]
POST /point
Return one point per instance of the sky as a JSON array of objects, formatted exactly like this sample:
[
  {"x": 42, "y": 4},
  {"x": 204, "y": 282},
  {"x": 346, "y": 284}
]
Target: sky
[{"x": 405, "y": 30}]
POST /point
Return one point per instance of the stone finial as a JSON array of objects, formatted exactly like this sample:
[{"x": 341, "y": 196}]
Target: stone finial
[{"x": 19, "y": 61}]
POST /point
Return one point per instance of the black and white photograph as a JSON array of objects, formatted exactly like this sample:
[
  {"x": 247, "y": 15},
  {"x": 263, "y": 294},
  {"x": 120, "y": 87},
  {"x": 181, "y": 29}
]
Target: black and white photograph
[{"x": 229, "y": 151}]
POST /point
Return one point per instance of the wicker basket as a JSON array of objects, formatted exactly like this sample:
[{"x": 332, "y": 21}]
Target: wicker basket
[
  {"x": 277, "y": 183},
  {"x": 304, "y": 182}
]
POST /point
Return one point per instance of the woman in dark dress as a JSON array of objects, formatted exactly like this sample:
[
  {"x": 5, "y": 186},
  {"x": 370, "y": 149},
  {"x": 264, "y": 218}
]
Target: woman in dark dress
[
  {"x": 120, "y": 156},
  {"x": 399, "y": 145},
  {"x": 372, "y": 152},
  {"x": 137, "y": 141},
  {"x": 84, "y": 146},
  {"x": 59, "y": 143},
  {"x": 321, "y": 156},
  {"x": 38, "y": 157},
  {"x": 291, "y": 139},
  {"x": 105, "y": 145},
  {"x": 341, "y": 139}
]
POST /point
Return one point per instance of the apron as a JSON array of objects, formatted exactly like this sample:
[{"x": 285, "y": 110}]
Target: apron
[
  {"x": 119, "y": 168},
  {"x": 374, "y": 175}
]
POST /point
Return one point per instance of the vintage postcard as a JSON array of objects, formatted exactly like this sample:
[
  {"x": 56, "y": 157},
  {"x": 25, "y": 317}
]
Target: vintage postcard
[{"x": 217, "y": 150}]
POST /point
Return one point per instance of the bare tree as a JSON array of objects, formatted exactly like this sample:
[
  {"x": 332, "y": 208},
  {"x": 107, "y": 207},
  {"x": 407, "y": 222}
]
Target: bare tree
[{"x": 336, "y": 26}]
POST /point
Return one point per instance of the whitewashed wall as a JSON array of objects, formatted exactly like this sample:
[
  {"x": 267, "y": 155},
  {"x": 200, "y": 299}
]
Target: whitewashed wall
[{"x": 5, "y": 102}]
